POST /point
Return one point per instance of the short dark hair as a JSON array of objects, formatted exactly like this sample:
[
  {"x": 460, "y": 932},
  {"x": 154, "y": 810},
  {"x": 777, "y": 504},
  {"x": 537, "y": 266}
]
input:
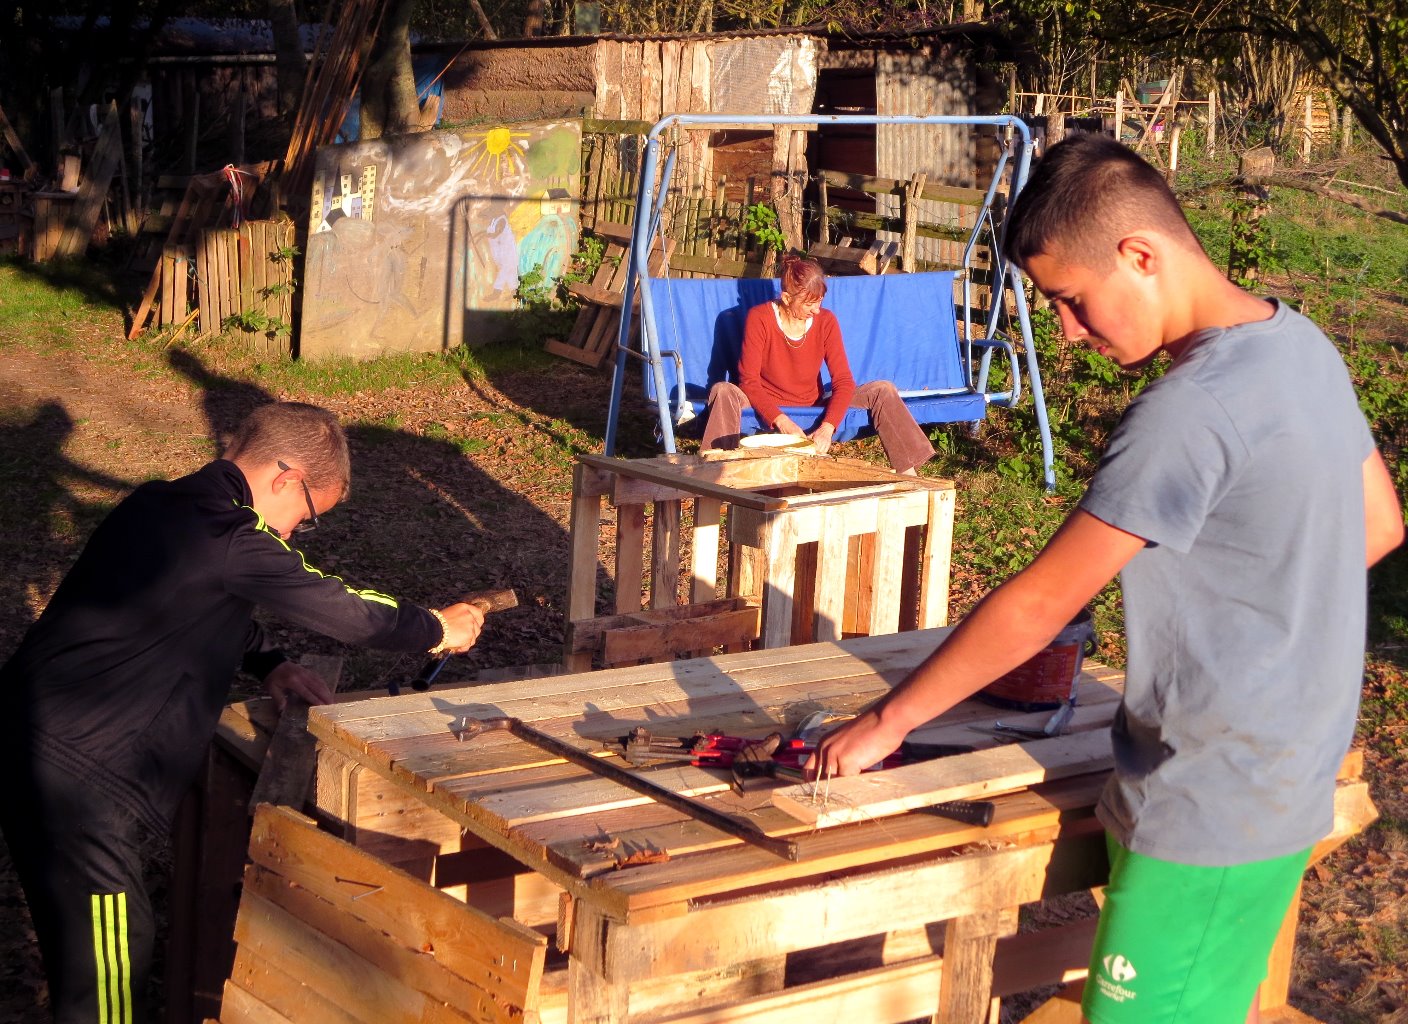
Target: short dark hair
[
  {"x": 296, "y": 432},
  {"x": 1086, "y": 194}
]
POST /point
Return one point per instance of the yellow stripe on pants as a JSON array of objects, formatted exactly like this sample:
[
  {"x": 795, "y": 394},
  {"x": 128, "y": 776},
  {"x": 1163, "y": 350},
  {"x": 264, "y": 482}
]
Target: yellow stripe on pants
[{"x": 110, "y": 958}]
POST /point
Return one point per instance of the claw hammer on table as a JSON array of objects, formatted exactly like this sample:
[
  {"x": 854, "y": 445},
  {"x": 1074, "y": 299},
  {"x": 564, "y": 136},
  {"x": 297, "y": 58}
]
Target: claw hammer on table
[
  {"x": 472, "y": 727},
  {"x": 486, "y": 601}
]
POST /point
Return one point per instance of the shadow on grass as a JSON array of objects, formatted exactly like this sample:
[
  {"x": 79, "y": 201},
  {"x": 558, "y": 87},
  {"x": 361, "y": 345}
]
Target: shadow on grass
[
  {"x": 422, "y": 522},
  {"x": 44, "y": 522},
  {"x": 102, "y": 279}
]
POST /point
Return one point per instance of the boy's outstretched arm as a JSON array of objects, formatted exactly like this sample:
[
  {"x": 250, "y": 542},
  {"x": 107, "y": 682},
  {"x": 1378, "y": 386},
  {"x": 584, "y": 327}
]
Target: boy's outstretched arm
[
  {"x": 1007, "y": 627},
  {"x": 1383, "y": 515}
]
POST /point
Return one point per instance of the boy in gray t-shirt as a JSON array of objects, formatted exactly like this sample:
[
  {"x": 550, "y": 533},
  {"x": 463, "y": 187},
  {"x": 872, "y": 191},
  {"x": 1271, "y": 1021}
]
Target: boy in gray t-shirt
[{"x": 1240, "y": 501}]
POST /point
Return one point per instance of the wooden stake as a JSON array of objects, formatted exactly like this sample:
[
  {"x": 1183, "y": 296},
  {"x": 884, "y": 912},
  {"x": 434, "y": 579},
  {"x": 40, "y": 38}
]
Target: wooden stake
[
  {"x": 83, "y": 218},
  {"x": 13, "y": 141}
]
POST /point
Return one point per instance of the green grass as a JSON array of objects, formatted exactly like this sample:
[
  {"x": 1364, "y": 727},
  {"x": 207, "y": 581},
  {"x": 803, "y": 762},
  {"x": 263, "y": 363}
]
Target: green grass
[{"x": 53, "y": 306}]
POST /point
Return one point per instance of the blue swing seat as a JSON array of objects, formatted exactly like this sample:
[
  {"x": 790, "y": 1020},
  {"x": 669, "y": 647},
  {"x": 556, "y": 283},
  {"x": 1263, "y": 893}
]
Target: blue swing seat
[{"x": 896, "y": 327}]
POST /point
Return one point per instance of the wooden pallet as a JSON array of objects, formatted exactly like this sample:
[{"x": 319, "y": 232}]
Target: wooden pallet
[
  {"x": 202, "y": 207},
  {"x": 594, "y": 333},
  {"x": 666, "y": 919},
  {"x": 844, "y": 258},
  {"x": 323, "y": 928}
]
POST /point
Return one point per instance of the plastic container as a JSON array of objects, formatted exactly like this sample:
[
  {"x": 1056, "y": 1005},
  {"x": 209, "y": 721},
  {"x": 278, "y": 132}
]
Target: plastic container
[{"x": 1049, "y": 678}]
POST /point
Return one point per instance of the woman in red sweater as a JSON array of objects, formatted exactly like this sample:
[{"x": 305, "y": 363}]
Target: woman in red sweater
[{"x": 785, "y": 343}]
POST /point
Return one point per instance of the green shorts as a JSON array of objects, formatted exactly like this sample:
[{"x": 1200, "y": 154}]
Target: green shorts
[{"x": 1179, "y": 944}]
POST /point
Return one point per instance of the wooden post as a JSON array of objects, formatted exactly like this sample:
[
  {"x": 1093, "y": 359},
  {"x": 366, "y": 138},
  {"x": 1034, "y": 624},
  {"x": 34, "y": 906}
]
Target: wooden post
[
  {"x": 584, "y": 536},
  {"x": 1253, "y": 168},
  {"x": 1212, "y": 122},
  {"x": 823, "y": 225},
  {"x": 1119, "y": 115},
  {"x": 1276, "y": 987},
  {"x": 1346, "y": 130},
  {"x": 965, "y": 985},
  {"x": 1306, "y": 135},
  {"x": 909, "y": 215},
  {"x": 136, "y": 121},
  {"x": 83, "y": 217},
  {"x": 787, "y": 197},
  {"x": 1173, "y": 150}
]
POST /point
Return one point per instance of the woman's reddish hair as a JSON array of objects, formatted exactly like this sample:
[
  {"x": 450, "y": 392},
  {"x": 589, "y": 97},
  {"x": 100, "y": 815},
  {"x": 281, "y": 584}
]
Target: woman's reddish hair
[{"x": 802, "y": 278}]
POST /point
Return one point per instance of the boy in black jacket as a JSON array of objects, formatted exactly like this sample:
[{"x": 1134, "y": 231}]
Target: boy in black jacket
[{"x": 107, "y": 706}]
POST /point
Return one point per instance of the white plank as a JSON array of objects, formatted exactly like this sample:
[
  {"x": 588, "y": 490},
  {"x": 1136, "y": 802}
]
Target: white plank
[{"x": 961, "y": 777}]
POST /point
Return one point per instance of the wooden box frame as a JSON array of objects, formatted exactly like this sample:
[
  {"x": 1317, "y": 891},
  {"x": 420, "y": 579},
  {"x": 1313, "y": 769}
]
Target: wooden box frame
[{"x": 817, "y": 549}]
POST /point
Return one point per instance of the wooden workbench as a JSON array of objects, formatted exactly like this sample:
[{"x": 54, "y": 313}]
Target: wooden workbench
[{"x": 662, "y": 918}]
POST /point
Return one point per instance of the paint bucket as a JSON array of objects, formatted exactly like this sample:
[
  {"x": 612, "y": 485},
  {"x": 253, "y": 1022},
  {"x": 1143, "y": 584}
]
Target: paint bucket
[{"x": 1048, "y": 678}]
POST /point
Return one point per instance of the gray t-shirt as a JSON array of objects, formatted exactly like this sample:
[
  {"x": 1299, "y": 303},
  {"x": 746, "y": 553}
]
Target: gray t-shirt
[{"x": 1243, "y": 469}]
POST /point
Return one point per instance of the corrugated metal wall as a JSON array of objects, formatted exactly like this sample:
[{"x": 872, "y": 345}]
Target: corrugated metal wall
[{"x": 933, "y": 80}]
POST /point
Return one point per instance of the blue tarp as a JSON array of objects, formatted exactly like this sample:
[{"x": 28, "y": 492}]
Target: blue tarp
[{"x": 427, "y": 70}]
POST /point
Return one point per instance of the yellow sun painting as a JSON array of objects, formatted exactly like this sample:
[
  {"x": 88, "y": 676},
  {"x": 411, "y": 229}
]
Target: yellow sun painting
[{"x": 498, "y": 148}]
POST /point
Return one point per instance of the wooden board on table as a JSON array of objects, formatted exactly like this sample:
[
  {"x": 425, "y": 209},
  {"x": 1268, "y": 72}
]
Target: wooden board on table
[
  {"x": 411, "y": 735},
  {"x": 286, "y": 776},
  {"x": 964, "y": 776}
]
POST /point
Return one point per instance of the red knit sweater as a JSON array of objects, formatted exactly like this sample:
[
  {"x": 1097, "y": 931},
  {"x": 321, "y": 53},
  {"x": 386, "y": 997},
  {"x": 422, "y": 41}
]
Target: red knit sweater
[{"x": 774, "y": 370}]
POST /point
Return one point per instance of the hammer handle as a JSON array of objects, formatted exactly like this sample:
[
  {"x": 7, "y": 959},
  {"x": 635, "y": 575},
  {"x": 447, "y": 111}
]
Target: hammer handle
[
  {"x": 486, "y": 601},
  {"x": 970, "y": 812}
]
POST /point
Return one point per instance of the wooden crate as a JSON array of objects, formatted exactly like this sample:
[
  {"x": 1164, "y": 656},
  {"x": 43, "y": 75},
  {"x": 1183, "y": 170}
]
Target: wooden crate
[{"x": 815, "y": 549}]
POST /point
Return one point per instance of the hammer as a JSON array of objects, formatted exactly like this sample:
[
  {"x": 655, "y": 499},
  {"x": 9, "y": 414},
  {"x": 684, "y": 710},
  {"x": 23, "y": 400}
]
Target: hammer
[{"x": 486, "y": 601}]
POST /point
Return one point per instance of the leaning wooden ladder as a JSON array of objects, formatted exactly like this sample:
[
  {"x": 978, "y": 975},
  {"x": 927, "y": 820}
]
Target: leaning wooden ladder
[{"x": 594, "y": 333}]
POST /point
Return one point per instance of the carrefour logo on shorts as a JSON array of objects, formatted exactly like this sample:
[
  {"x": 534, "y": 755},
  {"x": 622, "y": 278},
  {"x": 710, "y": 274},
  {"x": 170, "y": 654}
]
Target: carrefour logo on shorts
[
  {"x": 1111, "y": 983},
  {"x": 1119, "y": 969}
]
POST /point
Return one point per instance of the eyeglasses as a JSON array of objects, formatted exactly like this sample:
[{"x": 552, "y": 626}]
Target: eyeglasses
[{"x": 311, "y": 523}]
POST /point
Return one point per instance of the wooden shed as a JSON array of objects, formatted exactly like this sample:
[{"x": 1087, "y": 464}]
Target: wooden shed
[{"x": 620, "y": 83}]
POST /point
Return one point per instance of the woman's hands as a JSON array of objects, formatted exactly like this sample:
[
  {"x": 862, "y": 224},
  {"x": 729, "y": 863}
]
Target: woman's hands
[
  {"x": 821, "y": 436},
  {"x": 785, "y": 425}
]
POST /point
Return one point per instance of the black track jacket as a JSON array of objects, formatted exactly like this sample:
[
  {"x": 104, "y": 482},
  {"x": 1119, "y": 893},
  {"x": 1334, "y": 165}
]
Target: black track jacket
[{"x": 121, "y": 681}]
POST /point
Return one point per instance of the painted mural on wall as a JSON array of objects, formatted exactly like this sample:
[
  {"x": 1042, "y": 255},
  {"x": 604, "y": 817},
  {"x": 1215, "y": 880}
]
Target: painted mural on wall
[{"x": 418, "y": 243}]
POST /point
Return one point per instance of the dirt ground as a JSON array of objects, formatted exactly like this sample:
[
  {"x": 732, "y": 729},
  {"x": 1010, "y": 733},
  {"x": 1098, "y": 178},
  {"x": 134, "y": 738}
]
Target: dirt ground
[{"x": 426, "y": 522}]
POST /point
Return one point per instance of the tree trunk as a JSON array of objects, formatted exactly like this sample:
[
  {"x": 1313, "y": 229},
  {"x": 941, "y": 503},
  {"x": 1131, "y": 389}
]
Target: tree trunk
[
  {"x": 389, "y": 103},
  {"x": 288, "y": 55}
]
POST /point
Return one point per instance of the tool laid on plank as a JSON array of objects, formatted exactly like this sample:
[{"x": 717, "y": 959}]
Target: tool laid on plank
[
  {"x": 1056, "y": 725},
  {"x": 486, "y": 601},
  {"x": 472, "y": 727},
  {"x": 772, "y": 757}
]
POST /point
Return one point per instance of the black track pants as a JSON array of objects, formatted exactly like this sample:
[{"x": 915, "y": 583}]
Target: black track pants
[{"x": 79, "y": 861}]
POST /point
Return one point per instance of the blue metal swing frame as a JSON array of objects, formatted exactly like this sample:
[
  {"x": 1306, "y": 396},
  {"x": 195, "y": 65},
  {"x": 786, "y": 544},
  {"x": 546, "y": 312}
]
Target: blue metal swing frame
[{"x": 1005, "y": 277}]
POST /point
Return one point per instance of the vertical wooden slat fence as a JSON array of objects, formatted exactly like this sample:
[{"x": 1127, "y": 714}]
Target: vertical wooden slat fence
[{"x": 239, "y": 272}]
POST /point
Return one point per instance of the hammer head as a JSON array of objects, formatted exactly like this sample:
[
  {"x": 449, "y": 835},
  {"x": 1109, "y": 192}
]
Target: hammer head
[
  {"x": 472, "y": 727},
  {"x": 491, "y": 600}
]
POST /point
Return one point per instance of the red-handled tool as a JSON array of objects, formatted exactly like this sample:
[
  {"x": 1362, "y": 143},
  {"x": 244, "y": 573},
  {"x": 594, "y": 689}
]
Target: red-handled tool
[{"x": 772, "y": 757}]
